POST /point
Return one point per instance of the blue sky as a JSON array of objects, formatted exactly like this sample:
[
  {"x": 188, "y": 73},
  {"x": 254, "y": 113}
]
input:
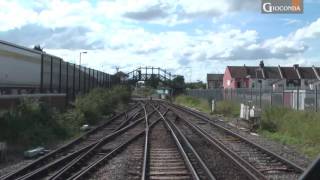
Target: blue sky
[{"x": 187, "y": 37}]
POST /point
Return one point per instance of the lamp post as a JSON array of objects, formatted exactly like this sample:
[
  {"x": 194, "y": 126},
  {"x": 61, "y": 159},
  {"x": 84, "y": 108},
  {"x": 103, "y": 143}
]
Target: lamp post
[{"x": 84, "y": 52}]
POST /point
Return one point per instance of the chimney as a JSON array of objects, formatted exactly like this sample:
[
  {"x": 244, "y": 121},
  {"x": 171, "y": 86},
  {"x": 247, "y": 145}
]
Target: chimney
[
  {"x": 280, "y": 72},
  {"x": 296, "y": 68},
  {"x": 315, "y": 72}
]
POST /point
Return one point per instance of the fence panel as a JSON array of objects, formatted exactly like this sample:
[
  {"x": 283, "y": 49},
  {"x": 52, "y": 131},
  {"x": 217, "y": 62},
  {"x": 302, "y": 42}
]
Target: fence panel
[{"x": 305, "y": 99}]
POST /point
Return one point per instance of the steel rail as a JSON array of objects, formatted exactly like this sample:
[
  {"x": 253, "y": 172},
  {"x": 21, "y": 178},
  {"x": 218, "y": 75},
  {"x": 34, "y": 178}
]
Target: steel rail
[
  {"x": 128, "y": 119},
  {"x": 94, "y": 165},
  {"x": 298, "y": 168},
  {"x": 63, "y": 171},
  {"x": 42, "y": 170},
  {"x": 41, "y": 160},
  {"x": 247, "y": 168},
  {"x": 194, "y": 152},
  {"x": 56, "y": 164},
  {"x": 179, "y": 145},
  {"x": 146, "y": 146}
]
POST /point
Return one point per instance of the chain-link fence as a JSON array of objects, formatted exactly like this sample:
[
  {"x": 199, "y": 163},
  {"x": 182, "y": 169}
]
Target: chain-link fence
[{"x": 295, "y": 98}]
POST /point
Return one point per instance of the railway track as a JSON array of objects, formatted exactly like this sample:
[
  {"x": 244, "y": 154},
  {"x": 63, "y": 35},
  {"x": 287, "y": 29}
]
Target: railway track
[
  {"x": 158, "y": 140},
  {"x": 250, "y": 157},
  {"x": 74, "y": 148},
  {"x": 164, "y": 158},
  {"x": 151, "y": 152}
]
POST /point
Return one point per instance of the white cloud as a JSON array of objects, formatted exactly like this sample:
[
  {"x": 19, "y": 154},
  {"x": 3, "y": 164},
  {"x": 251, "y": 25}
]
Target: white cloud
[
  {"x": 13, "y": 15},
  {"x": 307, "y": 32},
  {"x": 124, "y": 42}
]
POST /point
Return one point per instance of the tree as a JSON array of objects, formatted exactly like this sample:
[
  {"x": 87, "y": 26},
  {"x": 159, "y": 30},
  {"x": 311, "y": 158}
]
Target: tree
[
  {"x": 38, "y": 48},
  {"x": 196, "y": 85},
  {"x": 178, "y": 85},
  {"x": 120, "y": 77}
]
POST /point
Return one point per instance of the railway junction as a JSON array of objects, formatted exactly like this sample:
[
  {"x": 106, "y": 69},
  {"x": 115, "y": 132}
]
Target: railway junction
[{"x": 156, "y": 139}]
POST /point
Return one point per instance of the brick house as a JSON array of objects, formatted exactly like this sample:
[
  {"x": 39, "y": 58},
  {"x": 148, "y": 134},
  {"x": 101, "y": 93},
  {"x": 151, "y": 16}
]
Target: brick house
[
  {"x": 214, "y": 81},
  {"x": 271, "y": 77}
]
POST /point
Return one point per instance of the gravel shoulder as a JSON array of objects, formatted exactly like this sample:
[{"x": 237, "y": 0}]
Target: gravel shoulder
[{"x": 285, "y": 151}]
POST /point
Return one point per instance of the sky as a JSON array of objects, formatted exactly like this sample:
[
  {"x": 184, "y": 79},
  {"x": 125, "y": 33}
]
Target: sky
[{"x": 187, "y": 37}]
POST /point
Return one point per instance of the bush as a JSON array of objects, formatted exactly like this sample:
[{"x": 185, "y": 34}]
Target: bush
[
  {"x": 101, "y": 102},
  {"x": 71, "y": 121},
  {"x": 29, "y": 124},
  {"x": 33, "y": 123}
]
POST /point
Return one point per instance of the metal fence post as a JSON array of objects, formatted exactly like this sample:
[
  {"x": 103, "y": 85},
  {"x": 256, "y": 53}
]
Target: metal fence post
[
  {"x": 260, "y": 96},
  {"x": 41, "y": 74},
  {"x": 271, "y": 92},
  {"x": 107, "y": 80},
  {"x": 316, "y": 103},
  {"x": 298, "y": 94},
  {"x": 67, "y": 84},
  {"x": 79, "y": 85},
  {"x": 98, "y": 82},
  {"x": 93, "y": 78},
  {"x": 89, "y": 79},
  {"x": 104, "y": 80},
  {"x": 74, "y": 81},
  {"x": 51, "y": 73},
  {"x": 84, "y": 79},
  {"x": 283, "y": 104},
  {"x": 92, "y": 84},
  {"x": 60, "y": 77}
]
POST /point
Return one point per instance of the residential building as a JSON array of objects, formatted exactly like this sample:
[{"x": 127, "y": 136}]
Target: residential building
[
  {"x": 271, "y": 77},
  {"x": 214, "y": 81}
]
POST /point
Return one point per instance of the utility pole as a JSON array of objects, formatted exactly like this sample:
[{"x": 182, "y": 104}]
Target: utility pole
[{"x": 84, "y": 52}]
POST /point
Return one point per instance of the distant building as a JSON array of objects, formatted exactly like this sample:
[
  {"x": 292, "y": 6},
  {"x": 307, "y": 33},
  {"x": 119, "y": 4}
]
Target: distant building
[
  {"x": 214, "y": 81},
  {"x": 271, "y": 77}
]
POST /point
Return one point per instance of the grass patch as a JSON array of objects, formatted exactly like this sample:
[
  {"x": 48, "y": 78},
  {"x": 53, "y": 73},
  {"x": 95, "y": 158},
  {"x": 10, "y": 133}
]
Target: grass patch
[
  {"x": 197, "y": 103},
  {"x": 228, "y": 108},
  {"x": 291, "y": 127},
  {"x": 33, "y": 123}
]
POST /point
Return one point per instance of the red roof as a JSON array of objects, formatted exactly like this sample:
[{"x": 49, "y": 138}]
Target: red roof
[{"x": 272, "y": 72}]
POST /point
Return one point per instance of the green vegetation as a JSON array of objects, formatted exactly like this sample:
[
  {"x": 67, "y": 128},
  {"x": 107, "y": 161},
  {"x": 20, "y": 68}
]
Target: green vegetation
[
  {"x": 298, "y": 128},
  {"x": 196, "y": 85},
  {"x": 228, "y": 108},
  {"x": 178, "y": 85},
  {"x": 33, "y": 123},
  {"x": 197, "y": 103},
  {"x": 101, "y": 102}
]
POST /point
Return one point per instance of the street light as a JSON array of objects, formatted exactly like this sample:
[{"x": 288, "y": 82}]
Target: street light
[{"x": 84, "y": 52}]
